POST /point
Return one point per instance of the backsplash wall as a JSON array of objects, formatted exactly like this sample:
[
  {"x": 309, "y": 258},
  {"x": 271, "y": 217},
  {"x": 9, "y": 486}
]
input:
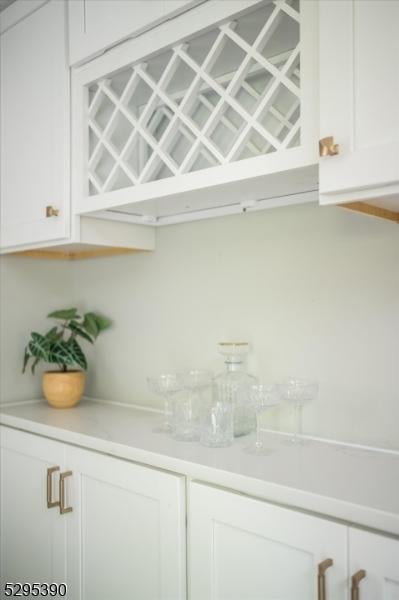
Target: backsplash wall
[
  {"x": 314, "y": 290},
  {"x": 29, "y": 290}
]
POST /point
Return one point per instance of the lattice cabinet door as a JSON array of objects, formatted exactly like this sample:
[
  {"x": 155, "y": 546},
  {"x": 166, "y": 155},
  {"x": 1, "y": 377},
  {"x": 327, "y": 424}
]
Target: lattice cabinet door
[{"x": 232, "y": 100}]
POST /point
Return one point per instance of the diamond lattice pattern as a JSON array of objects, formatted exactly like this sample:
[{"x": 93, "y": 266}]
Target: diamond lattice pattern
[{"x": 225, "y": 95}]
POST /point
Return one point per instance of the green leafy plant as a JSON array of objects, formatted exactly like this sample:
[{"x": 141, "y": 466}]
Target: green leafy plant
[{"x": 60, "y": 344}]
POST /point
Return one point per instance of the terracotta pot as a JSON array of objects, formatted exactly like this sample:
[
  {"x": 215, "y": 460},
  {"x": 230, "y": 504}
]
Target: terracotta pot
[{"x": 63, "y": 389}]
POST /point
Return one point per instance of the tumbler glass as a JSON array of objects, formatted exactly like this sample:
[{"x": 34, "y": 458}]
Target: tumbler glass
[
  {"x": 217, "y": 425},
  {"x": 186, "y": 407}
]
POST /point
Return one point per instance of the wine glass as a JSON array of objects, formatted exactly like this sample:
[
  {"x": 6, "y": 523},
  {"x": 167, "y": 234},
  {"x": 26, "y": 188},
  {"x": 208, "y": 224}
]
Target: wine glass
[
  {"x": 298, "y": 392},
  {"x": 186, "y": 408},
  {"x": 262, "y": 398},
  {"x": 166, "y": 386}
]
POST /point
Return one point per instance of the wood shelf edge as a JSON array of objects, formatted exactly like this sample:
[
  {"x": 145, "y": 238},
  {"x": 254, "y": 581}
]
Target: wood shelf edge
[
  {"x": 374, "y": 211},
  {"x": 75, "y": 255}
]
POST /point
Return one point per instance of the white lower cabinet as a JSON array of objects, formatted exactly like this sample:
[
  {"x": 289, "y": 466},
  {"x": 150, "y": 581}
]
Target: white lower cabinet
[
  {"x": 127, "y": 530},
  {"x": 373, "y": 566},
  {"x": 246, "y": 549},
  {"x": 112, "y": 529},
  {"x": 33, "y": 535},
  {"x": 118, "y": 532}
]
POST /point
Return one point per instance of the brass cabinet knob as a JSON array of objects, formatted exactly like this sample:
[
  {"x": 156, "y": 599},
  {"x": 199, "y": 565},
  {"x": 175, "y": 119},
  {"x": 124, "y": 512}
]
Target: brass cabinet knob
[
  {"x": 356, "y": 579},
  {"x": 52, "y": 212},
  {"x": 321, "y": 578},
  {"x": 327, "y": 147}
]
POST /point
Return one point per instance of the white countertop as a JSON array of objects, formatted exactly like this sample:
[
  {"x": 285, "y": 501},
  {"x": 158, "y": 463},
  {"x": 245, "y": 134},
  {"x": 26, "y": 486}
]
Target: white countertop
[{"x": 355, "y": 484}]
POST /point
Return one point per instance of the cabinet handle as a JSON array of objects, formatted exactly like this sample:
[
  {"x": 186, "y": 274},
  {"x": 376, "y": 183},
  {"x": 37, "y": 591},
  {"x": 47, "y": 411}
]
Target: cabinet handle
[
  {"x": 327, "y": 147},
  {"x": 52, "y": 212},
  {"x": 64, "y": 509},
  {"x": 356, "y": 579},
  {"x": 50, "y": 502},
  {"x": 321, "y": 578}
]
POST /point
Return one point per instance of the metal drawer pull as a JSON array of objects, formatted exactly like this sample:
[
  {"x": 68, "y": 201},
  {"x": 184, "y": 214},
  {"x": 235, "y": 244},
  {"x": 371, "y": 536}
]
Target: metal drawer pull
[
  {"x": 64, "y": 509},
  {"x": 50, "y": 502},
  {"x": 327, "y": 147},
  {"x": 356, "y": 579},
  {"x": 321, "y": 578}
]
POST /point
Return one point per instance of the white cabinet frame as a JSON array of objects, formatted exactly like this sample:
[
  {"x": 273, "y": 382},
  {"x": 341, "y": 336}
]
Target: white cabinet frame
[
  {"x": 35, "y": 128},
  {"x": 222, "y": 522},
  {"x": 95, "y": 25},
  {"x": 245, "y": 176},
  {"x": 33, "y": 535},
  {"x": 375, "y": 559},
  {"x": 359, "y": 101},
  {"x": 90, "y": 547}
]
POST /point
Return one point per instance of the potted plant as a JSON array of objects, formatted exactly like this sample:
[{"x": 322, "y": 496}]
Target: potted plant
[{"x": 64, "y": 388}]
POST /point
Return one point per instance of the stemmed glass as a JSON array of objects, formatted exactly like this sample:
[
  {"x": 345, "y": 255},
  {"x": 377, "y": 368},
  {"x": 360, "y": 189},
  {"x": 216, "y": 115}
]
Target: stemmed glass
[
  {"x": 262, "y": 398},
  {"x": 298, "y": 392},
  {"x": 166, "y": 386}
]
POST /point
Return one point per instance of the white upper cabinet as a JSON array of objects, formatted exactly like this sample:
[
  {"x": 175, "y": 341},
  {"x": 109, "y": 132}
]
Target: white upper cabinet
[
  {"x": 240, "y": 548},
  {"x": 373, "y": 566},
  {"x": 95, "y": 25},
  {"x": 215, "y": 107},
  {"x": 35, "y": 128},
  {"x": 35, "y": 144},
  {"x": 359, "y": 101}
]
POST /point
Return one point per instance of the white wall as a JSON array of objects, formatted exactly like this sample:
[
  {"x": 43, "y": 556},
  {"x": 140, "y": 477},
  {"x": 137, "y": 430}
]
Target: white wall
[
  {"x": 29, "y": 290},
  {"x": 315, "y": 291}
]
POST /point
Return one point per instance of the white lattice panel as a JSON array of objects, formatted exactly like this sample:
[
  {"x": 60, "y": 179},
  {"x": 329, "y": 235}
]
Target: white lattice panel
[{"x": 225, "y": 95}]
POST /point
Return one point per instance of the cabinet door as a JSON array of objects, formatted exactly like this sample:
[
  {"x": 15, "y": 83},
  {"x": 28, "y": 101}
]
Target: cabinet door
[
  {"x": 359, "y": 101},
  {"x": 127, "y": 535},
  {"x": 33, "y": 536},
  {"x": 245, "y": 549},
  {"x": 378, "y": 556},
  {"x": 219, "y": 100},
  {"x": 34, "y": 128},
  {"x": 98, "y": 24}
]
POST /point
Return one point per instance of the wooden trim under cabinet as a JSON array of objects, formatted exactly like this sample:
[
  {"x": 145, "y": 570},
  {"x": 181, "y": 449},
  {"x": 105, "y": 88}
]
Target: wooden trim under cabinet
[
  {"x": 374, "y": 211},
  {"x": 75, "y": 255}
]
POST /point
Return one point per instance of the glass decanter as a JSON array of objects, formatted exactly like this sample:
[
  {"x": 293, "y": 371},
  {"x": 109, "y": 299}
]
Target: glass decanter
[{"x": 232, "y": 386}]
